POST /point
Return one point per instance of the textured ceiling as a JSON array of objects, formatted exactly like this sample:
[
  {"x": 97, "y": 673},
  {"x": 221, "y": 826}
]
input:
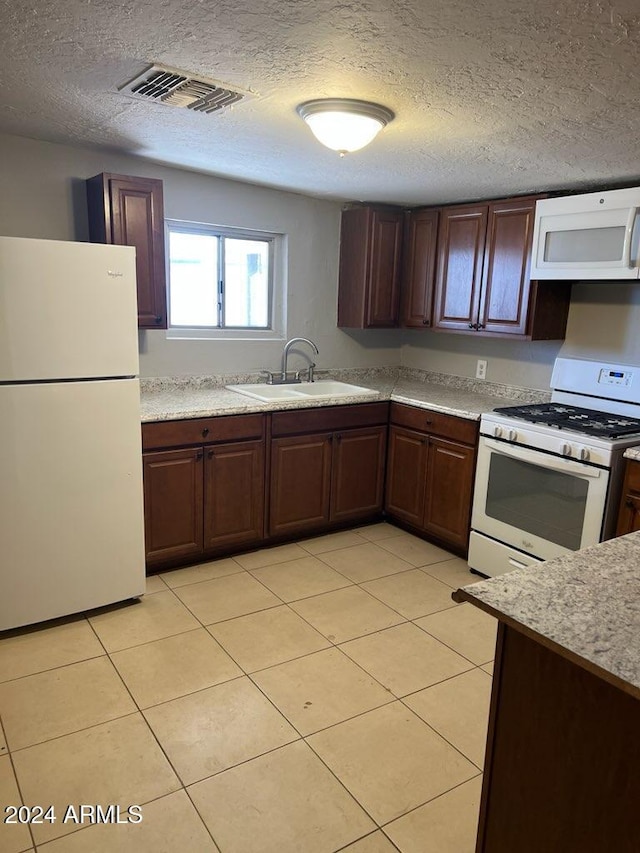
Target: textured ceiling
[{"x": 492, "y": 97}]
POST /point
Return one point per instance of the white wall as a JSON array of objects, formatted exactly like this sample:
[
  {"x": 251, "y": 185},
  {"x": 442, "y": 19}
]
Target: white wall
[{"x": 43, "y": 195}]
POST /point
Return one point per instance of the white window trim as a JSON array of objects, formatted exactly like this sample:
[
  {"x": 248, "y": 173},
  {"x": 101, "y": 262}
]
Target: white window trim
[{"x": 279, "y": 252}]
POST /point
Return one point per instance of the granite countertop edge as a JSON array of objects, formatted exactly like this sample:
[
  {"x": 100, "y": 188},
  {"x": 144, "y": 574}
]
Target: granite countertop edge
[{"x": 585, "y": 605}]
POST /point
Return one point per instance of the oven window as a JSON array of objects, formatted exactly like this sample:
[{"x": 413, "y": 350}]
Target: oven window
[{"x": 531, "y": 498}]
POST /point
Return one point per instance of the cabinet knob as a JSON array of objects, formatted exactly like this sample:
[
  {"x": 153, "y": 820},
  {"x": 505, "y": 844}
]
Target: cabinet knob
[
  {"x": 479, "y": 326},
  {"x": 210, "y": 454},
  {"x": 158, "y": 320},
  {"x": 199, "y": 454},
  {"x": 338, "y": 437},
  {"x": 426, "y": 322},
  {"x": 205, "y": 432},
  {"x": 471, "y": 326}
]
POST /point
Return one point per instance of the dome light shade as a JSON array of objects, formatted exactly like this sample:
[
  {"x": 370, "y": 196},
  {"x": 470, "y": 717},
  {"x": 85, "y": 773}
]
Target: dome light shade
[{"x": 344, "y": 124}]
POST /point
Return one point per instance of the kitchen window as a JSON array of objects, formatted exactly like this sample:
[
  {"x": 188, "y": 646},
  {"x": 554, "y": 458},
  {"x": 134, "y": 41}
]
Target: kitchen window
[{"x": 222, "y": 282}]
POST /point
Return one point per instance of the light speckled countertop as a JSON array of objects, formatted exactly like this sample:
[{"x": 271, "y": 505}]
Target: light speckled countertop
[
  {"x": 174, "y": 399},
  {"x": 585, "y": 605},
  {"x": 633, "y": 453}
]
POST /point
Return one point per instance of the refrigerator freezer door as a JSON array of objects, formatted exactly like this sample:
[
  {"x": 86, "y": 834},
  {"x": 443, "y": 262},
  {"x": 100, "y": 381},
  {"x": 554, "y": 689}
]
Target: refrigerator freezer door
[
  {"x": 67, "y": 310},
  {"x": 71, "y": 515}
]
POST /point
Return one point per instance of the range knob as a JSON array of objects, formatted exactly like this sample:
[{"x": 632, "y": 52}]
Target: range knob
[
  {"x": 585, "y": 454},
  {"x": 566, "y": 449},
  {"x": 513, "y": 435},
  {"x": 497, "y": 431}
]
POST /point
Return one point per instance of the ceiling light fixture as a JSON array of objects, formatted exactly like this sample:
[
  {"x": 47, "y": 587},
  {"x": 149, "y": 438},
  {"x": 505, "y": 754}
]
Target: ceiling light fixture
[{"x": 344, "y": 124}]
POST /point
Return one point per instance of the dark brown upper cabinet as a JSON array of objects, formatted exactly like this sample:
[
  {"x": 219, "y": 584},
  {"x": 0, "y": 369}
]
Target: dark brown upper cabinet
[
  {"x": 419, "y": 267},
  {"x": 482, "y": 278},
  {"x": 128, "y": 211},
  {"x": 370, "y": 267}
]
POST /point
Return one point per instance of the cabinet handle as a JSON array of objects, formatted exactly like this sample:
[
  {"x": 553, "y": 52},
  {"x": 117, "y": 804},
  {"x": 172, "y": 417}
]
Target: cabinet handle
[
  {"x": 205, "y": 432},
  {"x": 158, "y": 320},
  {"x": 428, "y": 423},
  {"x": 199, "y": 454},
  {"x": 210, "y": 454}
]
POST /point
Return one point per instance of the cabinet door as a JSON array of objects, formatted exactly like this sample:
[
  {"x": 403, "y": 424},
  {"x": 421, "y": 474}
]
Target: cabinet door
[
  {"x": 384, "y": 270},
  {"x": 233, "y": 494},
  {"x": 450, "y": 474},
  {"x": 629, "y": 513},
  {"x": 370, "y": 262},
  {"x": 300, "y": 483},
  {"x": 461, "y": 241},
  {"x": 406, "y": 475},
  {"x": 357, "y": 473},
  {"x": 128, "y": 211},
  {"x": 418, "y": 277},
  {"x": 173, "y": 503},
  {"x": 504, "y": 302}
]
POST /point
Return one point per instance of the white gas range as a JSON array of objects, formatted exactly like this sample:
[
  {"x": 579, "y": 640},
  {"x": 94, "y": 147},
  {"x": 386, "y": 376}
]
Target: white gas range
[{"x": 548, "y": 475}]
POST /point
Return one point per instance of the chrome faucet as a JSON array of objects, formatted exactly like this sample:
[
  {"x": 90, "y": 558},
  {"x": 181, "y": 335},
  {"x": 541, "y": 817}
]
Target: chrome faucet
[{"x": 285, "y": 356}]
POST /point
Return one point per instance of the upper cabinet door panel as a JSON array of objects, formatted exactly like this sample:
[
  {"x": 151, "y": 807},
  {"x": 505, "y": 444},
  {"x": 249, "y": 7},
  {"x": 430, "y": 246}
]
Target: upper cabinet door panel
[
  {"x": 421, "y": 231},
  {"x": 505, "y": 292},
  {"x": 138, "y": 220},
  {"x": 370, "y": 262},
  {"x": 128, "y": 211},
  {"x": 461, "y": 242},
  {"x": 384, "y": 273}
]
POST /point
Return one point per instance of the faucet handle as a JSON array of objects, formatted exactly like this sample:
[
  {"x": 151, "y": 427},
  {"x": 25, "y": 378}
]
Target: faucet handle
[
  {"x": 269, "y": 376},
  {"x": 310, "y": 377}
]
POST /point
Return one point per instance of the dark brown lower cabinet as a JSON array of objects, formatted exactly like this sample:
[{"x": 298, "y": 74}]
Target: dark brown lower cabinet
[
  {"x": 358, "y": 473},
  {"x": 450, "y": 475},
  {"x": 204, "y": 498},
  {"x": 561, "y": 768},
  {"x": 233, "y": 494},
  {"x": 430, "y": 473},
  {"x": 406, "y": 481},
  {"x": 327, "y": 467},
  {"x": 300, "y": 483},
  {"x": 173, "y": 517}
]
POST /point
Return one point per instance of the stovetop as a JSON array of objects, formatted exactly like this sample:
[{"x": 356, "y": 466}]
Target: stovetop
[{"x": 589, "y": 422}]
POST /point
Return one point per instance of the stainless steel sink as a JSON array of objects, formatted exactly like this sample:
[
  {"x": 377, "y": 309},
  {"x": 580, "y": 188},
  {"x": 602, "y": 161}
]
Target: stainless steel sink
[{"x": 324, "y": 388}]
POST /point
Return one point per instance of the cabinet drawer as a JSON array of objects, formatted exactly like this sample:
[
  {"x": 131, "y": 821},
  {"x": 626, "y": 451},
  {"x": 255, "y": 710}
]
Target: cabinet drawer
[
  {"x": 435, "y": 423},
  {"x": 329, "y": 418},
  {"x": 201, "y": 431}
]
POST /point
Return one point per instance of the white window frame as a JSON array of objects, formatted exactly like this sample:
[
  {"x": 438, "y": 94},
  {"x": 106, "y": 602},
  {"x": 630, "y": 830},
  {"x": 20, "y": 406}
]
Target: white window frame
[{"x": 277, "y": 285}]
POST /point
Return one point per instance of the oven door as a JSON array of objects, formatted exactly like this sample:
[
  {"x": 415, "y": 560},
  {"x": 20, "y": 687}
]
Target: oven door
[{"x": 541, "y": 504}]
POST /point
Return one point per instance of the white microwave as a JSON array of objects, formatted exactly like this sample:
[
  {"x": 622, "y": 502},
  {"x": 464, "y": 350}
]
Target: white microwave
[{"x": 587, "y": 237}]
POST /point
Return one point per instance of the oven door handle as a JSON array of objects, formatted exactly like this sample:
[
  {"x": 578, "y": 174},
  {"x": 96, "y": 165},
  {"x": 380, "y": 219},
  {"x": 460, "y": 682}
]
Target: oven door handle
[{"x": 554, "y": 463}]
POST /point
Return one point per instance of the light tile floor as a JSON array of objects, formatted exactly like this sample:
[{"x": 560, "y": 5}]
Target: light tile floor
[{"x": 316, "y": 697}]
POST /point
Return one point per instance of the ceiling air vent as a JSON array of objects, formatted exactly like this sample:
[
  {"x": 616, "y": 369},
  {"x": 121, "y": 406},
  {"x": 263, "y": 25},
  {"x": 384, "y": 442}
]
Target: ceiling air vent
[{"x": 180, "y": 89}]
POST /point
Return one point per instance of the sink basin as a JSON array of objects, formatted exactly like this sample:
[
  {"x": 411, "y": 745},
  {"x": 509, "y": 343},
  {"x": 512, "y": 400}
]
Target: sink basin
[{"x": 315, "y": 390}]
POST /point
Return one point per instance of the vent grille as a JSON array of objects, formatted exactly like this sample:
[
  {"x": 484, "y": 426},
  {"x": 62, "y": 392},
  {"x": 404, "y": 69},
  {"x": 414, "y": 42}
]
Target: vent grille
[{"x": 180, "y": 89}]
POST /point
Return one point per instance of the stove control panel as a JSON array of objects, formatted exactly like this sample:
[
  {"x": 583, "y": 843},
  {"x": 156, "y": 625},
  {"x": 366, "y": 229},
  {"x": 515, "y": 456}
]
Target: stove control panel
[{"x": 615, "y": 377}]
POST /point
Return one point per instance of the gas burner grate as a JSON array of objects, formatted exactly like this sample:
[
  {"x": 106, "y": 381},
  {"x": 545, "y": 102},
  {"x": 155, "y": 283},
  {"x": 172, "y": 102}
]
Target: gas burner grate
[{"x": 587, "y": 421}]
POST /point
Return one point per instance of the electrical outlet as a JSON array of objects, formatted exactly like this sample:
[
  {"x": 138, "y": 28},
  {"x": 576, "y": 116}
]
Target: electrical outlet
[{"x": 481, "y": 369}]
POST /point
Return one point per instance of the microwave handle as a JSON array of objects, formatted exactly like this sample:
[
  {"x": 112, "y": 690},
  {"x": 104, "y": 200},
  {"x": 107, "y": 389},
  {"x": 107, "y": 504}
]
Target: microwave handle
[
  {"x": 628, "y": 234},
  {"x": 555, "y": 464}
]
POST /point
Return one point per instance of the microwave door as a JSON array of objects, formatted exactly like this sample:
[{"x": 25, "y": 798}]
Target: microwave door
[{"x": 599, "y": 244}]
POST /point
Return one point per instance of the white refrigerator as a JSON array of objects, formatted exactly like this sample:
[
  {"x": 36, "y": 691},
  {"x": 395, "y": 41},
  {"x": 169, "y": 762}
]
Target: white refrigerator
[{"x": 71, "y": 511}]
